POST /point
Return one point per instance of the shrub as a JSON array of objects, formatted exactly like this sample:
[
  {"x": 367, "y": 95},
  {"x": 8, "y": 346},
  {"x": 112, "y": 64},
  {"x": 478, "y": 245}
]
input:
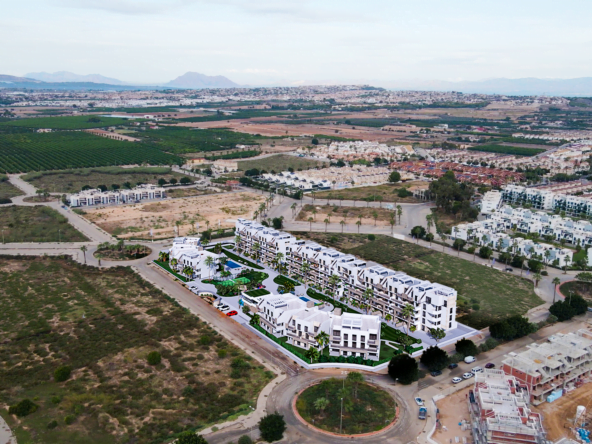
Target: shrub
[
  {"x": 491, "y": 343},
  {"x": 23, "y": 408},
  {"x": 511, "y": 328},
  {"x": 153, "y": 358},
  {"x": 245, "y": 439},
  {"x": 62, "y": 373},
  {"x": 544, "y": 273},
  {"x": 272, "y": 427},
  {"x": 466, "y": 347},
  {"x": 222, "y": 353},
  {"x": 404, "y": 369},
  {"x": 371, "y": 237},
  {"x": 205, "y": 340},
  {"x": 52, "y": 425},
  {"x": 69, "y": 419},
  {"x": 394, "y": 177},
  {"x": 562, "y": 310},
  {"x": 190, "y": 437}
]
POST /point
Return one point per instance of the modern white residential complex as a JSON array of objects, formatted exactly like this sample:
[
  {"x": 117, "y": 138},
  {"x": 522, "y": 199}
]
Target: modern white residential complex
[
  {"x": 554, "y": 367},
  {"x": 188, "y": 251},
  {"x": 88, "y": 198},
  {"x": 491, "y": 201},
  {"x": 385, "y": 291},
  {"x": 297, "y": 318},
  {"x": 500, "y": 411}
]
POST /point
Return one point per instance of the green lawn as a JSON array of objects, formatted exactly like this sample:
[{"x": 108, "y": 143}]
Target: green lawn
[
  {"x": 484, "y": 294},
  {"x": 102, "y": 324},
  {"x": 282, "y": 280},
  {"x": 37, "y": 224},
  {"x": 167, "y": 267},
  {"x": 257, "y": 293}
]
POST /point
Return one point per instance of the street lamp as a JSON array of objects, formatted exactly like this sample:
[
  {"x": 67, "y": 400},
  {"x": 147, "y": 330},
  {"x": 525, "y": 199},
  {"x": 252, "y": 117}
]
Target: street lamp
[
  {"x": 341, "y": 419},
  {"x": 59, "y": 235}
]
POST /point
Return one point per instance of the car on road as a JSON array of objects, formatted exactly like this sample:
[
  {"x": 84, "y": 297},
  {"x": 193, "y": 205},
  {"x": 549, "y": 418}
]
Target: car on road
[
  {"x": 452, "y": 366},
  {"x": 419, "y": 401},
  {"x": 467, "y": 375},
  {"x": 232, "y": 313},
  {"x": 223, "y": 307},
  {"x": 476, "y": 370},
  {"x": 509, "y": 270},
  {"x": 490, "y": 365},
  {"x": 436, "y": 373},
  {"x": 470, "y": 359},
  {"x": 423, "y": 412},
  {"x": 456, "y": 380}
]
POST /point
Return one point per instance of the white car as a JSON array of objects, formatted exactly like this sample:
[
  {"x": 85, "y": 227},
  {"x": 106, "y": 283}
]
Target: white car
[
  {"x": 470, "y": 359},
  {"x": 419, "y": 401},
  {"x": 456, "y": 380},
  {"x": 476, "y": 370},
  {"x": 467, "y": 375},
  {"x": 223, "y": 307}
]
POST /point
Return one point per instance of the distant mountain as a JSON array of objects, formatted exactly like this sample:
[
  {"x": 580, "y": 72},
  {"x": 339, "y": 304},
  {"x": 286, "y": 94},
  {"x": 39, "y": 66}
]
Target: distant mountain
[
  {"x": 195, "y": 80},
  {"x": 520, "y": 87},
  {"x": 4, "y": 78},
  {"x": 65, "y": 76}
]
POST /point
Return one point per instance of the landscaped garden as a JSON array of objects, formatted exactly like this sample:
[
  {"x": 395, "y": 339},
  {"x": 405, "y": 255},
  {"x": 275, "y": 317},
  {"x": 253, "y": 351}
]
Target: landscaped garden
[
  {"x": 165, "y": 266},
  {"x": 240, "y": 259},
  {"x": 102, "y": 357},
  {"x": 485, "y": 295},
  {"x": 366, "y": 408},
  {"x": 283, "y": 280},
  {"x": 36, "y": 224},
  {"x": 121, "y": 252},
  {"x": 257, "y": 293}
]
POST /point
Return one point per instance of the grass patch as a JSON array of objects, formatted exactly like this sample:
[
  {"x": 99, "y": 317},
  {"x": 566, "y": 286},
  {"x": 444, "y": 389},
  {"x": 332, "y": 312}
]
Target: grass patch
[
  {"x": 37, "y": 224},
  {"x": 392, "y": 334},
  {"x": 321, "y": 297},
  {"x": 165, "y": 266},
  {"x": 280, "y": 162},
  {"x": 366, "y": 408},
  {"x": 8, "y": 190},
  {"x": 283, "y": 280},
  {"x": 257, "y": 293},
  {"x": 485, "y": 295},
  {"x": 102, "y": 324},
  {"x": 378, "y": 193}
]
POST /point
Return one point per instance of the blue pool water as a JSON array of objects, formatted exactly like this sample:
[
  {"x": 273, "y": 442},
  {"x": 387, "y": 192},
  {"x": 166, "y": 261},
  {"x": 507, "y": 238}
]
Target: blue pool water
[
  {"x": 304, "y": 299},
  {"x": 231, "y": 264}
]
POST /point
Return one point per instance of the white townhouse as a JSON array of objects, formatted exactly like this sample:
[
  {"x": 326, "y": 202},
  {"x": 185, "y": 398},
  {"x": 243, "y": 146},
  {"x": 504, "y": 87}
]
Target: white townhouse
[
  {"x": 88, "y": 198},
  {"x": 188, "y": 251},
  {"x": 556, "y": 197},
  {"x": 384, "y": 291},
  {"x": 350, "y": 334}
]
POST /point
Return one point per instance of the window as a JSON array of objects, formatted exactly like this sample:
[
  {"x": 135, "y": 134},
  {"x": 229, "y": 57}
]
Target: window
[{"x": 373, "y": 337}]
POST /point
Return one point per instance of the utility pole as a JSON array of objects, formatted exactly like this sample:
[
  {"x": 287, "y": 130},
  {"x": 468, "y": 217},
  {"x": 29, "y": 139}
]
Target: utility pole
[
  {"x": 59, "y": 235},
  {"x": 341, "y": 419}
]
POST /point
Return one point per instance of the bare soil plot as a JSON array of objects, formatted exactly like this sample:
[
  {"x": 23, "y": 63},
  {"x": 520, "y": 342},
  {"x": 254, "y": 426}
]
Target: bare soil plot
[
  {"x": 378, "y": 193},
  {"x": 219, "y": 210},
  {"x": 453, "y": 409},
  {"x": 351, "y": 215},
  {"x": 280, "y": 162}
]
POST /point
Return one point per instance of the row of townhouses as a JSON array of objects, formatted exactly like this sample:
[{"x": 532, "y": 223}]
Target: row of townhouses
[
  {"x": 554, "y": 367},
  {"x": 500, "y": 411},
  {"x": 553, "y": 198},
  {"x": 88, "y": 198},
  {"x": 188, "y": 251},
  {"x": 434, "y": 304},
  {"x": 350, "y": 334}
]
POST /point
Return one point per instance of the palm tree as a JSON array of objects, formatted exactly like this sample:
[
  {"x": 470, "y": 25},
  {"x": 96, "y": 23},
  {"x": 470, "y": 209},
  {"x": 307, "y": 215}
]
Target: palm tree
[
  {"x": 375, "y": 216},
  {"x": 312, "y": 353},
  {"x": 388, "y": 317},
  {"x": 537, "y": 278},
  {"x": 556, "y": 281},
  {"x": 314, "y": 213},
  {"x": 392, "y": 222},
  {"x": 367, "y": 296},
  {"x": 342, "y": 223},
  {"x": 293, "y": 207},
  {"x": 304, "y": 269},
  {"x": 355, "y": 378},
  {"x": 188, "y": 271},
  {"x": 99, "y": 257},
  {"x": 174, "y": 262},
  {"x": 407, "y": 312},
  {"x": 322, "y": 339},
  {"x": 358, "y": 223},
  {"x": 278, "y": 259},
  {"x": 321, "y": 404},
  {"x": 310, "y": 221},
  {"x": 326, "y": 223},
  {"x": 429, "y": 221},
  {"x": 399, "y": 212},
  {"x": 208, "y": 262},
  {"x": 256, "y": 247},
  {"x": 333, "y": 281},
  {"x": 84, "y": 249},
  {"x": 567, "y": 261}
]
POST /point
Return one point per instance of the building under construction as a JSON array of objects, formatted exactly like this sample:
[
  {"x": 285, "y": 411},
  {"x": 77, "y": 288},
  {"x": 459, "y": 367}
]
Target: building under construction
[{"x": 500, "y": 412}]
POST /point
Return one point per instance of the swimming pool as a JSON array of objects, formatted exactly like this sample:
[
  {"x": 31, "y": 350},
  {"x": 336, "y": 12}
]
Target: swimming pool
[
  {"x": 231, "y": 264},
  {"x": 304, "y": 299}
]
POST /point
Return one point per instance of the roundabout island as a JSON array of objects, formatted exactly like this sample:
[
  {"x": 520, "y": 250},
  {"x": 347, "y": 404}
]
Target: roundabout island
[{"x": 346, "y": 407}]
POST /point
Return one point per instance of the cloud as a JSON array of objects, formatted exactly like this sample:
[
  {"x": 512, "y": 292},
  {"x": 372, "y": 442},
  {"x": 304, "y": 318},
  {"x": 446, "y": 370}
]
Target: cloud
[
  {"x": 131, "y": 7},
  {"x": 254, "y": 71}
]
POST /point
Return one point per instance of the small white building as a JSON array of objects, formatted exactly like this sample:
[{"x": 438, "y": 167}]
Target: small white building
[
  {"x": 88, "y": 198},
  {"x": 188, "y": 251}
]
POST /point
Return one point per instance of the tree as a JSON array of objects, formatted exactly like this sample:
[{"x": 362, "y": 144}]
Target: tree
[
  {"x": 562, "y": 311},
  {"x": 185, "y": 180},
  {"x": 466, "y": 347},
  {"x": 511, "y": 328},
  {"x": 326, "y": 221},
  {"x": 458, "y": 245},
  {"x": 578, "y": 303},
  {"x": 310, "y": 219},
  {"x": 162, "y": 181},
  {"x": 429, "y": 221},
  {"x": 153, "y": 358},
  {"x": 321, "y": 404},
  {"x": 434, "y": 358},
  {"x": 403, "y": 368},
  {"x": 255, "y": 320},
  {"x": 190, "y": 437},
  {"x": 485, "y": 252},
  {"x": 272, "y": 427},
  {"x": 314, "y": 141},
  {"x": 556, "y": 281},
  {"x": 245, "y": 439},
  {"x": 394, "y": 177},
  {"x": 84, "y": 249},
  {"x": 173, "y": 181},
  {"x": 208, "y": 262},
  {"x": 322, "y": 339},
  {"x": 399, "y": 212},
  {"x": 537, "y": 278},
  {"x": 408, "y": 312},
  {"x": 438, "y": 334},
  {"x": 312, "y": 353},
  {"x": 359, "y": 224},
  {"x": 62, "y": 373},
  {"x": 418, "y": 232},
  {"x": 355, "y": 378},
  {"x": 23, "y": 408},
  {"x": 342, "y": 223}
]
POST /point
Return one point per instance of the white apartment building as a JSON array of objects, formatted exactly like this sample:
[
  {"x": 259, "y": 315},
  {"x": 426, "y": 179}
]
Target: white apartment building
[
  {"x": 491, "y": 201},
  {"x": 556, "y": 197},
  {"x": 188, "y": 251},
  {"x": 560, "y": 363},
  {"x": 88, "y": 198},
  {"x": 350, "y": 334},
  {"x": 500, "y": 411},
  {"x": 434, "y": 304}
]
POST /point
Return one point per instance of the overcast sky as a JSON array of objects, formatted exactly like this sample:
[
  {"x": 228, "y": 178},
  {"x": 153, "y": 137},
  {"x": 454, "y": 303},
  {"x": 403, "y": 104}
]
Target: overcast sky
[{"x": 299, "y": 41}]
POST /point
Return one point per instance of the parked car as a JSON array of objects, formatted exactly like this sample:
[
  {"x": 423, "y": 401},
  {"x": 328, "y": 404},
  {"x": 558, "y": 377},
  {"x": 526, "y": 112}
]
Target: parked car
[
  {"x": 490, "y": 365},
  {"x": 470, "y": 359},
  {"x": 456, "y": 380},
  {"x": 509, "y": 270},
  {"x": 436, "y": 373},
  {"x": 223, "y": 307},
  {"x": 419, "y": 401},
  {"x": 232, "y": 313},
  {"x": 452, "y": 366},
  {"x": 476, "y": 370},
  {"x": 423, "y": 412},
  {"x": 467, "y": 375}
]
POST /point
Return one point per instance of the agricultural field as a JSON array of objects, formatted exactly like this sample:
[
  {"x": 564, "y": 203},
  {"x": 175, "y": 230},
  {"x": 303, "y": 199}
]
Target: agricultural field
[
  {"x": 214, "y": 211},
  {"x": 36, "y": 224},
  {"x": 485, "y": 295},
  {"x": 378, "y": 193},
  {"x": 99, "y": 327},
  {"x": 281, "y": 162},
  {"x": 181, "y": 140},
  {"x": 72, "y": 180},
  {"x": 66, "y": 122},
  {"x": 506, "y": 149},
  {"x": 351, "y": 215},
  {"x": 24, "y": 152},
  {"x": 7, "y": 190}
]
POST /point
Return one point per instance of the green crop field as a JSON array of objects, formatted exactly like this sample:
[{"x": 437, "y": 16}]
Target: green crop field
[
  {"x": 485, "y": 295},
  {"x": 503, "y": 149},
  {"x": 180, "y": 140},
  {"x": 24, "y": 152},
  {"x": 66, "y": 122}
]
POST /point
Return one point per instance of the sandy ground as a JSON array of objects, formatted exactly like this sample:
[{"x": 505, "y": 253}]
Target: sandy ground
[
  {"x": 221, "y": 210},
  {"x": 558, "y": 416},
  {"x": 453, "y": 409}
]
